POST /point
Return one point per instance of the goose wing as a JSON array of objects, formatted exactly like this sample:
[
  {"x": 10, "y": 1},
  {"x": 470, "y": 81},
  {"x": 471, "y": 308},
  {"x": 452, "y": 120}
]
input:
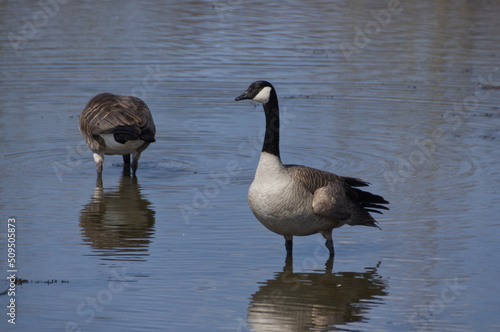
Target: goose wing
[
  {"x": 337, "y": 198},
  {"x": 128, "y": 118}
]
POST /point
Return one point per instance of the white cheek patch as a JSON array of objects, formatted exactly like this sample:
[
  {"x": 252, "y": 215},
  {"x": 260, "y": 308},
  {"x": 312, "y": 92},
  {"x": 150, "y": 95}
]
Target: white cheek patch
[{"x": 263, "y": 95}]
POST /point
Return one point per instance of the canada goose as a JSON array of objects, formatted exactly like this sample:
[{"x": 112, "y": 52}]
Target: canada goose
[
  {"x": 114, "y": 124},
  {"x": 298, "y": 200}
]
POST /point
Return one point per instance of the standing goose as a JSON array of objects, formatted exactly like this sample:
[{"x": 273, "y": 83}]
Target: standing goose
[
  {"x": 298, "y": 200},
  {"x": 114, "y": 124}
]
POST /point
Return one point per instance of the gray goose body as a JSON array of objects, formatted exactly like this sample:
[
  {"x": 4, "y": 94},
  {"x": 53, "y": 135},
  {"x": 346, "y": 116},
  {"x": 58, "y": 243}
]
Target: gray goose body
[
  {"x": 293, "y": 200},
  {"x": 114, "y": 124}
]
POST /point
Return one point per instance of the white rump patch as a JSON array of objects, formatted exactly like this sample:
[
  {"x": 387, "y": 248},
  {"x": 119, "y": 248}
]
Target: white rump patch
[
  {"x": 263, "y": 95},
  {"x": 113, "y": 147}
]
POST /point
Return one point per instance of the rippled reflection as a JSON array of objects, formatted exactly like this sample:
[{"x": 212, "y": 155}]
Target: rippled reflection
[
  {"x": 304, "y": 301},
  {"x": 118, "y": 224}
]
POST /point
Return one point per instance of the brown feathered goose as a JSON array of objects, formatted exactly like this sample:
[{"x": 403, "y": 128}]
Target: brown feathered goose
[
  {"x": 115, "y": 124},
  {"x": 298, "y": 200}
]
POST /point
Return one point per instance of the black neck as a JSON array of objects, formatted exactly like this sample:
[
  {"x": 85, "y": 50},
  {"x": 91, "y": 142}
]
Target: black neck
[{"x": 272, "y": 139}]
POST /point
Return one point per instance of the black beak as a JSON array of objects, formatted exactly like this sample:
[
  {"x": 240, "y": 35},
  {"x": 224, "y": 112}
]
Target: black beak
[{"x": 243, "y": 96}]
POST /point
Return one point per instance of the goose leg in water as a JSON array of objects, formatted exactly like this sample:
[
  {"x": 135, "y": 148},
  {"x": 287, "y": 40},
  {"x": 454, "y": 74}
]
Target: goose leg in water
[
  {"x": 99, "y": 160},
  {"x": 135, "y": 160},
  {"x": 289, "y": 245},
  {"x": 126, "y": 160},
  {"x": 126, "y": 164},
  {"x": 329, "y": 243}
]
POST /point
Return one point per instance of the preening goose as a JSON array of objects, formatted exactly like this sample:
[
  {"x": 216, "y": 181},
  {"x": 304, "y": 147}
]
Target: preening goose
[
  {"x": 298, "y": 200},
  {"x": 114, "y": 124}
]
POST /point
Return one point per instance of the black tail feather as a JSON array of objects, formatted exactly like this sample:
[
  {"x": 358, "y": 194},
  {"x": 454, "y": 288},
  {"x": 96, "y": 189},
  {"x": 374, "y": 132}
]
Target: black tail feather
[
  {"x": 375, "y": 206},
  {"x": 355, "y": 182},
  {"x": 370, "y": 202}
]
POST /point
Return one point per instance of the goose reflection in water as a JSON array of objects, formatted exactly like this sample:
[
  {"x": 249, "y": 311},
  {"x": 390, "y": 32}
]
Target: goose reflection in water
[
  {"x": 118, "y": 224},
  {"x": 318, "y": 301}
]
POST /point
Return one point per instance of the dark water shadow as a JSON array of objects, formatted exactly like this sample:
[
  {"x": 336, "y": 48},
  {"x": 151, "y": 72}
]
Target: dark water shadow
[
  {"x": 315, "y": 301},
  {"x": 118, "y": 225}
]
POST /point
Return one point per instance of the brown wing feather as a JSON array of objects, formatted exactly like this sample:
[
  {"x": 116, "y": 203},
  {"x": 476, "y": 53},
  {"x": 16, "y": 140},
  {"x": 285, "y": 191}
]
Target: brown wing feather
[
  {"x": 312, "y": 178},
  {"x": 335, "y": 197},
  {"x": 330, "y": 202},
  {"x": 106, "y": 112}
]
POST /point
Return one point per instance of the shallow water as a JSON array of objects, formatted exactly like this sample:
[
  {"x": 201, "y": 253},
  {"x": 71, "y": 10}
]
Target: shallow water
[{"x": 411, "y": 106}]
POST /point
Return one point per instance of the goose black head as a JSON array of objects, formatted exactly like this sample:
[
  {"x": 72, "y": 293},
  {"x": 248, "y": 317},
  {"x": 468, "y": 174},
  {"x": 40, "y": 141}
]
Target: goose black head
[{"x": 257, "y": 91}]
